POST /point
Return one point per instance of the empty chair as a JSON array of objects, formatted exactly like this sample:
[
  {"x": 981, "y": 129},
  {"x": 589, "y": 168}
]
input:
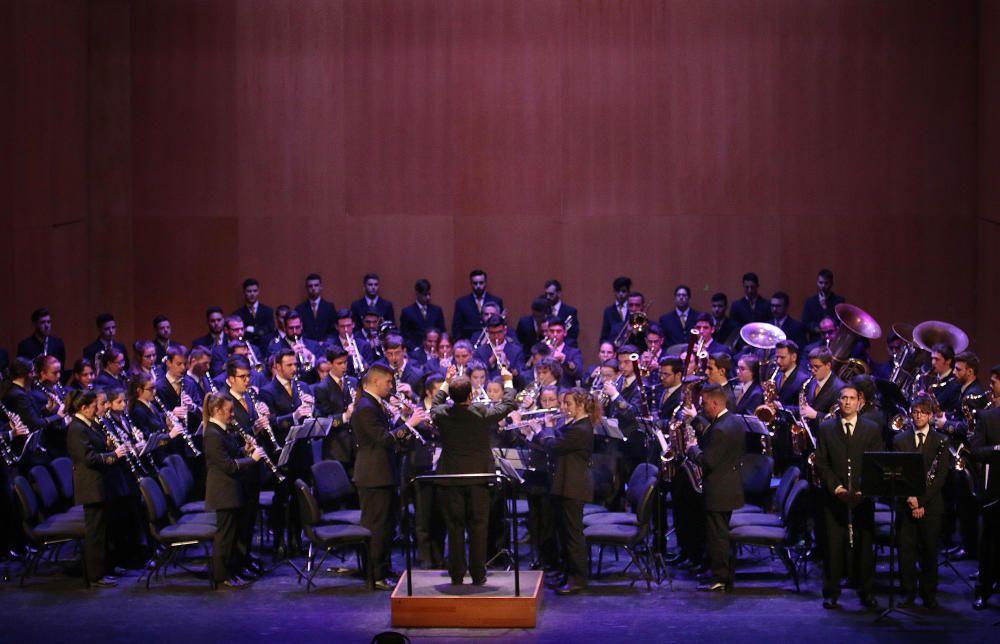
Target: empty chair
[
  {"x": 176, "y": 504},
  {"x": 62, "y": 470},
  {"x": 788, "y": 480},
  {"x": 780, "y": 538},
  {"x": 633, "y": 497},
  {"x": 49, "y": 497},
  {"x": 170, "y": 537},
  {"x": 332, "y": 487},
  {"x": 630, "y": 537},
  {"x": 328, "y": 537},
  {"x": 42, "y": 534},
  {"x": 180, "y": 467}
]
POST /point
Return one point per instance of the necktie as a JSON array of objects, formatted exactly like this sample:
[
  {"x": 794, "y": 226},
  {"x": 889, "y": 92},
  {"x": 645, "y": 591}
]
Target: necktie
[
  {"x": 847, "y": 427},
  {"x": 423, "y": 312},
  {"x": 920, "y": 442},
  {"x": 315, "y": 305},
  {"x": 684, "y": 318},
  {"x": 779, "y": 380},
  {"x": 288, "y": 388},
  {"x": 243, "y": 401}
]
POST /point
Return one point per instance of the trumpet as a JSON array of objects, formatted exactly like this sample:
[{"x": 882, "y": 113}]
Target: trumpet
[
  {"x": 500, "y": 356},
  {"x": 252, "y": 356},
  {"x": 403, "y": 405},
  {"x": 305, "y": 358},
  {"x": 251, "y": 445},
  {"x": 184, "y": 432},
  {"x": 351, "y": 346}
]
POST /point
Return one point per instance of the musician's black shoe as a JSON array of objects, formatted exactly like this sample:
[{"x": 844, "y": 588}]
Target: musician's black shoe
[
  {"x": 909, "y": 602},
  {"x": 479, "y": 581},
  {"x": 830, "y": 603},
  {"x": 555, "y": 582},
  {"x": 107, "y": 581},
  {"x": 715, "y": 587},
  {"x": 236, "y": 583},
  {"x": 980, "y": 603},
  {"x": 385, "y": 584},
  {"x": 457, "y": 581},
  {"x": 256, "y": 565},
  {"x": 571, "y": 589},
  {"x": 869, "y": 602},
  {"x": 249, "y": 574},
  {"x": 673, "y": 558}
]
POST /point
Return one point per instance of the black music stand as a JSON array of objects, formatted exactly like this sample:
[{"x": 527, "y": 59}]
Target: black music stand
[
  {"x": 648, "y": 425},
  {"x": 895, "y": 475}
]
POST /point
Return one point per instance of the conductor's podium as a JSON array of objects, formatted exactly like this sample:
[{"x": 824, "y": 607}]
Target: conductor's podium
[{"x": 437, "y": 603}]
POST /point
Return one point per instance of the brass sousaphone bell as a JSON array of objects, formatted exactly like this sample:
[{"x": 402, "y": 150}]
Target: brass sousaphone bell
[
  {"x": 766, "y": 337},
  {"x": 854, "y": 323}
]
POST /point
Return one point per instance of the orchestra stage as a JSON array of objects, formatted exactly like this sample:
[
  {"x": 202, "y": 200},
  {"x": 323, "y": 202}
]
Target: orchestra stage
[{"x": 764, "y": 607}]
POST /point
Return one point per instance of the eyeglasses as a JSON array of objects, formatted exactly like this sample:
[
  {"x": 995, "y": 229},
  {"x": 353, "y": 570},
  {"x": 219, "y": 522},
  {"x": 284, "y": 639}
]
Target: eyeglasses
[
  {"x": 815, "y": 367},
  {"x": 242, "y": 376}
]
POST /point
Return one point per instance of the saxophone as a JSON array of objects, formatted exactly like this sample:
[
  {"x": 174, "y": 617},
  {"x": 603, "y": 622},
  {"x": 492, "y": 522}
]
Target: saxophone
[{"x": 801, "y": 436}]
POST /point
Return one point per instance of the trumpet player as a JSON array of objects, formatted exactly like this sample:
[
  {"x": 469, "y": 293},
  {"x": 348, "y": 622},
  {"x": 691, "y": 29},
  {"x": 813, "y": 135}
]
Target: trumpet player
[
  {"x": 408, "y": 374},
  {"x": 305, "y": 349},
  {"x": 616, "y": 313},
  {"x": 499, "y": 351},
  {"x": 918, "y": 523},
  {"x": 356, "y": 347},
  {"x": 605, "y": 352}
]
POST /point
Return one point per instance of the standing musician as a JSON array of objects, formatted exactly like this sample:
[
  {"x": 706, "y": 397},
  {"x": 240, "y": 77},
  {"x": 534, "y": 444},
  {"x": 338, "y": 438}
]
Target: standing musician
[
  {"x": 354, "y": 344},
  {"x": 530, "y": 328},
  {"x": 418, "y": 318},
  {"x": 92, "y": 458},
  {"x": 41, "y": 342},
  {"x": 420, "y": 459},
  {"x": 107, "y": 329},
  {"x": 196, "y": 382},
  {"x": 570, "y": 358},
  {"x": 162, "y": 334},
  {"x": 677, "y": 324},
  {"x": 467, "y": 320},
  {"x": 703, "y": 325},
  {"x": 616, "y": 313},
  {"x": 371, "y": 300},
  {"x": 305, "y": 350},
  {"x": 824, "y": 390},
  {"x": 335, "y": 400},
  {"x": 234, "y": 331},
  {"x": 231, "y": 462},
  {"x": 794, "y": 330},
  {"x": 919, "y": 518},
  {"x": 717, "y": 372},
  {"x": 985, "y": 453},
  {"x": 634, "y": 333},
  {"x": 721, "y": 461},
  {"x": 572, "y": 445},
  {"x": 318, "y": 315},
  {"x": 215, "y": 336},
  {"x": 557, "y": 308},
  {"x": 726, "y": 330},
  {"x": 170, "y": 388},
  {"x": 751, "y": 307},
  {"x": 848, "y": 518},
  {"x": 498, "y": 344},
  {"x": 821, "y": 305},
  {"x": 790, "y": 377},
  {"x": 376, "y": 471},
  {"x": 258, "y": 319},
  {"x": 289, "y": 402},
  {"x": 465, "y": 430}
]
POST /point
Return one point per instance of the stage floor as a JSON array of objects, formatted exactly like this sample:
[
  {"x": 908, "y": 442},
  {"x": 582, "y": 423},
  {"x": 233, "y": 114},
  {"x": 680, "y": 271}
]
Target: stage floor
[{"x": 763, "y": 608}]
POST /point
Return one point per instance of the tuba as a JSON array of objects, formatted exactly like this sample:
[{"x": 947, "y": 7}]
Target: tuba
[{"x": 854, "y": 323}]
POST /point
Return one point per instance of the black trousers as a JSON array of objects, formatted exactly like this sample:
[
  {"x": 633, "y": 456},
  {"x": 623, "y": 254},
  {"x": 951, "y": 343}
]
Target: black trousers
[
  {"x": 837, "y": 549},
  {"x": 572, "y": 543},
  {"x": 918, "y": 544},
  {"x": 989, "y": 549},
  {"x": 466, "y": 507},
  {"x": 717, "y": 545},
  {"x": 689, "y": 524},
  {"x": 95, "y": 530},
  {"x": 961, "y": 510},
  {"x": 541, "y": 529},
  {"x": 378, "y": 512},
  {"x": 225, "y": 554}
]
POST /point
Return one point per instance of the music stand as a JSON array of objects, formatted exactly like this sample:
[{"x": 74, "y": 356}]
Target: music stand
[
  {"x": 310, "y": 428},
  {"x": 896, "y": 475}
]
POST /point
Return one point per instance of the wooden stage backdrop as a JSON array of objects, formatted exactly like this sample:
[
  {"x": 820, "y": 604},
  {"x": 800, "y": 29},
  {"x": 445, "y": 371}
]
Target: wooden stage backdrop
[{"x": 159, "y": 151}]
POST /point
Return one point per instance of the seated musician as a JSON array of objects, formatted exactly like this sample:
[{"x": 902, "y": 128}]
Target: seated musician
[{"x": 751, "y": 394}]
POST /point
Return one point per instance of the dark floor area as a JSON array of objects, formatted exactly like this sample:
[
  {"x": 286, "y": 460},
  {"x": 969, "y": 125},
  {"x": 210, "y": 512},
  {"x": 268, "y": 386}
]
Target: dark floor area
[{"x": 764, "y": 607}]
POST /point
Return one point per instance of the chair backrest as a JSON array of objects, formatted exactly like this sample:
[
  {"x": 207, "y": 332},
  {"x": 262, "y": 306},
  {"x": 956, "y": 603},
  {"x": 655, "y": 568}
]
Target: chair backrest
[
  {"x": 757, "y": 469},
  {"x": 788, "y": 479},
  {"x": 154, "y": 502},
  {"x": 645, "y": 508},
  {"x": 308, "y": 507},
  {"x": 641, "y": 472},
  {"x": 27, "y": 500},
  {"x": 797, "y": 495},
  {"x": 172, "y": 487},
  {"x": 183, "y": 472},
  {"x": 48, "y": 494},
  {"x": 62, "y": 467},
  {"x": 633, "y": 495},
  {"x": 331, "y": 480}
]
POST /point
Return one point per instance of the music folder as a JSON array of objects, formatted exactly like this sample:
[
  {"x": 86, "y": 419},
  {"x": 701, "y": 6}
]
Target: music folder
[
  {"x": 309, "y": 428},
  {"x": 608, "y": 427}
]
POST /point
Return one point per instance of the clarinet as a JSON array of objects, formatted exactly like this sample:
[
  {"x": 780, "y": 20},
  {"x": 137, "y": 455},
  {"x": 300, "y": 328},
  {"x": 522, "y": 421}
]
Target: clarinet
[
  {"x": 850, "y": 509},
  {"x": 252, "y": 444},
  {"x": 137, "y": 436},
  {"x": 270, "y": 432},
  {"x": 6, "y": 448},
  {"x": 184, "y": 432},
  {"x": 932, "y": 471},
  {"x": 116, "y": 442}
]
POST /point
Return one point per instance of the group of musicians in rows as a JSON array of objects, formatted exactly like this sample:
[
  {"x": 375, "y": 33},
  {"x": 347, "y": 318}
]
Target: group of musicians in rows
[{"x": 408, "y": 398}]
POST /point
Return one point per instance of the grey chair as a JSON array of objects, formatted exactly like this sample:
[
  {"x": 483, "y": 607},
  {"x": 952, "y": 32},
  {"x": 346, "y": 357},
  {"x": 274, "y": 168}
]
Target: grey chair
[
  {"x": 170, "y": 538},
  {"x": 632, "y": 538},
  {"x": 44, "y": 535},
  {"x": 781, "y": 539}
]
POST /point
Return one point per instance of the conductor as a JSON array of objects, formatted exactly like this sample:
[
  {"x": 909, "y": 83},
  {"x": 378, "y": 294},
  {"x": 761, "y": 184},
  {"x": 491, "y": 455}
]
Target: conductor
[{"x": 465, "y": 449}]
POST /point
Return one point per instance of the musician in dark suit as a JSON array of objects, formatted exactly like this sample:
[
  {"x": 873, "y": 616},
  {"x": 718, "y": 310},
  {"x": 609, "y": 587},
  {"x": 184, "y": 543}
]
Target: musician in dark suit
[
  {"x": 531, "y": 328},
  {"x": 703, "y": 325},
  {"x": 319, "y": 316},
  {"x": 417, "y": 318},
  {"x": 667, "y": 394},
  {"x": 635, "y": 304},
  {"x": 572, "y": 445},
  {"x": 918, "y": 523},
  {"x": 426, "y": 355},
  {"x": 465, "y": 430},
  {"x": 372, "y": 301},
  {"x": 791, "y": 376},
  {"x": 569, "y": 357},
  {"x": 162, "y": 334},
  {"x": 945, "y": 386},
  {"x": 258, "y": 319},
  {"x": 376, "y": 470},
  {"x": 614, "y": 314},
  {"x": 235, "y": 330},
  {"x": 677, "y": 324},
  {"x": 216, "y": 335},
  {"x": 228, "y": 464},
  {"x": 50, "y": 398},
  {"x": 720, "y": 459},
  {"x": 824, "y": 390},
  {"x": 41, "y": 341},
  {"x": 405, "y": 371},
  {"x": 196, "y": 382},
  {"x": 92, "y": 457},
  {"x": 559, "y": 309},
  {"x": 359, "y": 351},
  {"x": 985, "y": 453},
  {"x": 794, "y": 330},
  {"x": 842, "y": 442},
  {"x": 107, "y": 329},
  {"x": 36, "y": 414},
  {"x": 306, "y": 351},
  {"x": 751, "y": 394},
  {"x": 726, "y": 330},
  {"x": 751, "y": 307},
  {"x": 467, "y": 320},
  {"x": 499, "y": 343},
  {"x": 335, "y": 400},
  {"x": 821, "y": 305}
]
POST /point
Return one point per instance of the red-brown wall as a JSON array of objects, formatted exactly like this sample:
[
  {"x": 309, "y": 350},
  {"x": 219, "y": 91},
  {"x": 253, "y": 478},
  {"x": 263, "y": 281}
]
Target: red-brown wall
[{"x": 162, "y": 150}]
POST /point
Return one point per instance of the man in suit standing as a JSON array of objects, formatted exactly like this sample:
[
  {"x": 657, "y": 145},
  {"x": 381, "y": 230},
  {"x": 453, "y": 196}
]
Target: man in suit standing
[
  {"x": 107, "y": 329},
  {"x": 794, "y": 330},
  {"x": 416, "y": 319},
  {"x": 41, "y": 341},
  {"x": 842, "y": 442},
  {"x": 258, "y": 319},
  {"x": 215, "y": 337},
  {"x": 751, "y": 307},
  {"x": 467, "y": 321},
  {"x": 228, "y": 465},
  {"x": 319, "y": 316},
  {"x": 821, "y": 305},
  {"x": 726, "y": 330},
  {"x": 615, "y": 314},
  {"x": 986, "y": 454},
  {"x": 563, "y": 311},
  {"x": 465, "y": 430},
  {"x": 335, "y": 400},
  {"x": 721, "y": 463},
  {"x": 376, "y": 470},
  {"x": 372, "y": 301},
  {"x": 531, "y": 328},
  {"x": 677, "y": 324},
  {"x": 499, "y": 343},
  {"x": 233, "y": 329},
  {"x": 919, "y": 518}
]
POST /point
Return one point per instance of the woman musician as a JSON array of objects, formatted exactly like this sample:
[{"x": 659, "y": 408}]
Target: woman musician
[{"x": 150, "y": 420}]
